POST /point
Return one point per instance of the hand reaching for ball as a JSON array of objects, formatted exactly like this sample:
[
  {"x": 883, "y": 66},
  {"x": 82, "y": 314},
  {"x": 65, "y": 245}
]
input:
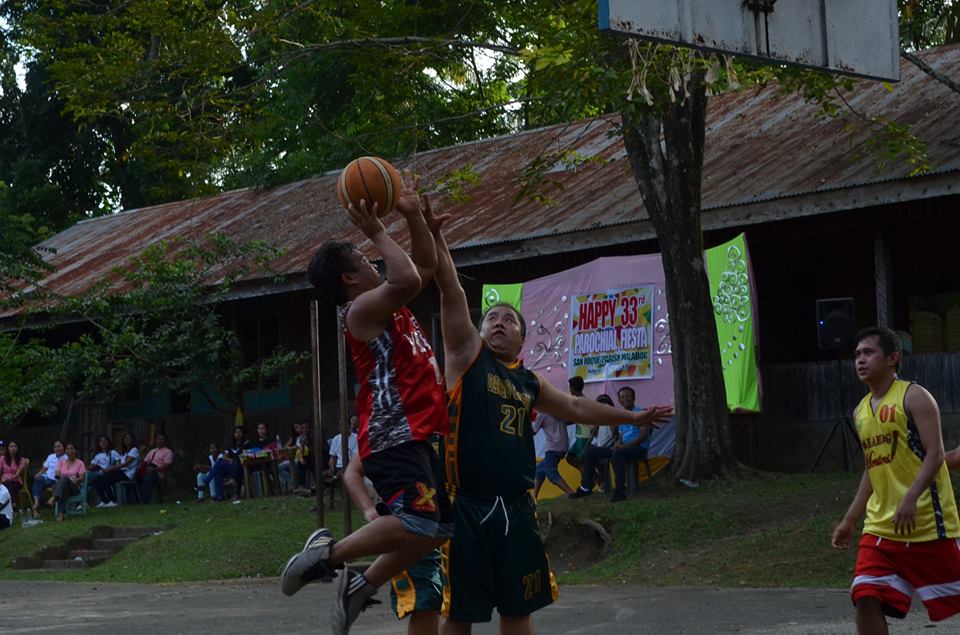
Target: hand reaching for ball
[{"x": 364, "y": 219}]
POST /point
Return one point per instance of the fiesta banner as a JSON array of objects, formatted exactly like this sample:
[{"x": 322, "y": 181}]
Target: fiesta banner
[{"x": 611, "y": 334}]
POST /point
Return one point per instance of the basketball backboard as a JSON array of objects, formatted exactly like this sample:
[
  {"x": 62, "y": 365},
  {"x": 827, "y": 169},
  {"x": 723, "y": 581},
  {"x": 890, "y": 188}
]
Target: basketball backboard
[{"x": 848, "y": 37}]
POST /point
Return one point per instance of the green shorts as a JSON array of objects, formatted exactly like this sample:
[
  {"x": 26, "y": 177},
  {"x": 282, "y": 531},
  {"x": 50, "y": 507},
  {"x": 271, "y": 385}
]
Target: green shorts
[
  {"x": 418, "y": 588},
  {"x": 495, "y": 559}
]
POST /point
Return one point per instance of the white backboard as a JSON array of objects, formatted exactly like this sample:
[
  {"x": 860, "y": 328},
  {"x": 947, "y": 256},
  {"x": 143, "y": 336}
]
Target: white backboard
[{"x": 848, "y": 37}]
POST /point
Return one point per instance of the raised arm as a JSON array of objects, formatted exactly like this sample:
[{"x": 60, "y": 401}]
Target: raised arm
[
  {"x": 461, "y": 340},
  {"x": 922, "y": 408},
  {"x": 370, "y": 311},
  {"x": 564, "y": 405},
  {"x": 423, "y": 251}
]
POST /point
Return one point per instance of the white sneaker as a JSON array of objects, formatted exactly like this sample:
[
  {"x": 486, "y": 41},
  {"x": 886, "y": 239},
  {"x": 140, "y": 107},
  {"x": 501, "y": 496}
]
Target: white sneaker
[
  {"x": 111, "y": 504},
  {"x": 101, "y": 505}
]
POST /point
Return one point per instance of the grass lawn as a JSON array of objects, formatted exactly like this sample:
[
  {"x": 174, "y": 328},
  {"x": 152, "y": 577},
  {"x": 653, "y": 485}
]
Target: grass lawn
[
  {"x": 201, "y": 541},
  {"x": 767, "y": 530}
]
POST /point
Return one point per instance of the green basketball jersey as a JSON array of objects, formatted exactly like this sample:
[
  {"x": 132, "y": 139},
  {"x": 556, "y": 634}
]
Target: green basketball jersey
[{"x": 489, "y": 450}]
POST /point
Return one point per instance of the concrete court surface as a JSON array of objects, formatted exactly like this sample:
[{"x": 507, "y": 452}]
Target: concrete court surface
[{"x": 257, "y": 606}]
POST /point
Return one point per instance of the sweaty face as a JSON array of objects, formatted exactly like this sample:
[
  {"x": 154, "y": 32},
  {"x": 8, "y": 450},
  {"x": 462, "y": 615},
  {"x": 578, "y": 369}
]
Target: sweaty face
[
  {"x": 501, "y": 331},
  {"x": 871, "y": 363}
]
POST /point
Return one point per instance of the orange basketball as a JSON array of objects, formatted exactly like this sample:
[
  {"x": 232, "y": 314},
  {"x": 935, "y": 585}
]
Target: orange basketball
[{"x": 371, "y": 179}]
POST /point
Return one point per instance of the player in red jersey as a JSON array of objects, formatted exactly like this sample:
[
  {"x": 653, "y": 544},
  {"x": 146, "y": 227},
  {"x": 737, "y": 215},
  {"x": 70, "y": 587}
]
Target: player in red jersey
[{"x": 401, "y": 403}]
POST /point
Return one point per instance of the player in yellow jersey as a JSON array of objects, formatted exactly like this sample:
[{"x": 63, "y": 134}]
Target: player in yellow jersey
[{"x": 909, "y": 543}]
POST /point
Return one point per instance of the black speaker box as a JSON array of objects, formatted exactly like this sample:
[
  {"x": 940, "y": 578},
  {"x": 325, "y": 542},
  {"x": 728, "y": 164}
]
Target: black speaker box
[{"x": 836, "y": 323}]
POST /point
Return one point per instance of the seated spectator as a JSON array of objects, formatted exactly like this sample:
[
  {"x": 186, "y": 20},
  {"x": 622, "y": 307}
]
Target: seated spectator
[
  {"x": 264, "y": 440},
  {"x": 228, "y": 470},
  {"x": 155, "y": 467},
  {"x": 303, "y": 459},
  {"x": 125, "y": 470},
  {"x": 336, "y": 448},
  {"x": 213, "y": 455},
  {"x": 13, "y": 468},
  {"x": 47, "y": 475},
  {"x": 105, "y": 457},
  {"x": 601, "y": 447},
  {"x": 285, "y": 467},
  {"x": 70, "y": 475},
  {"x": 6, "y": 508}
]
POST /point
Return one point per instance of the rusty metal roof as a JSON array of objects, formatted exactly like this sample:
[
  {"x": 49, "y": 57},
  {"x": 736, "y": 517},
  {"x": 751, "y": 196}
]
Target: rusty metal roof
[{"x": 760, "y": 146}]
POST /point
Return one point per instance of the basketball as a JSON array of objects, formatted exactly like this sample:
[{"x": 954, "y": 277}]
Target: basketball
[{"x": 371, "y": 179}]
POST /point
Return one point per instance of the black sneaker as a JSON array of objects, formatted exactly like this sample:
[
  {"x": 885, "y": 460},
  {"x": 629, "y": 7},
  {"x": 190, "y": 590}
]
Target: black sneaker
[
  {"x": 346, "y": 606},
  {"x": 618, "y": 497},
  {"x": 310, "y": 564},
  {"x": 580, "y": 493}
]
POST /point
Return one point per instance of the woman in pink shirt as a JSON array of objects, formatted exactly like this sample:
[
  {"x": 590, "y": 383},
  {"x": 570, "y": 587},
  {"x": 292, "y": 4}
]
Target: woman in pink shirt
[
  {"x": 70, "y": 475},
  {"x": 12, "y": 469}
]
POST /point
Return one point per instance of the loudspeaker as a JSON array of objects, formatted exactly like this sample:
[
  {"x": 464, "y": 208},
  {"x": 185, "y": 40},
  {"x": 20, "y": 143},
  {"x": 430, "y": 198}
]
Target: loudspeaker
[{"x": 836, "y": 323}]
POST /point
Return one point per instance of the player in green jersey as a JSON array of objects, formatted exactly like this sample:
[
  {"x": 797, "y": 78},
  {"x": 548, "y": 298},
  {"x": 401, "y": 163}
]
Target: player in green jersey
[{"x": 496, "y": 557}]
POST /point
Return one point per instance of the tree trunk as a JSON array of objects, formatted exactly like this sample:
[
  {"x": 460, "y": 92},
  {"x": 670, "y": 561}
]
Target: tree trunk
[{"x": 665, "y": 150}]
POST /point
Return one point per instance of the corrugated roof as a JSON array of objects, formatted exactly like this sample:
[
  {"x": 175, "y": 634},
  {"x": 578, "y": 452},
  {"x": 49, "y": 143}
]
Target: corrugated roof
[{"x": 760, "y": 146}]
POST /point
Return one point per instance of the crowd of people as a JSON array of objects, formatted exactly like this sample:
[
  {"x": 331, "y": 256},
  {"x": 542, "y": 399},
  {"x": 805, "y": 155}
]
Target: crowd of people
[{"x": 63, "y": 475}]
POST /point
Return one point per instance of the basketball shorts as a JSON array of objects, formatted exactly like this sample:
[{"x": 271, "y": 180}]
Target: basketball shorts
[
  {"x": 406, "y": 477},
  {"x": 893, "y": 571},
  {"x": 495, "y": 560},
  {"x": 418, "y": 588}
]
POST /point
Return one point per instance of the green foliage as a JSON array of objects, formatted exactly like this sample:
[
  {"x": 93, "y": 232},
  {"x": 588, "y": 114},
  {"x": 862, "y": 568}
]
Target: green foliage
[
  {"x": 158, "y": 322},
  {"x": 926, "y": 23}
]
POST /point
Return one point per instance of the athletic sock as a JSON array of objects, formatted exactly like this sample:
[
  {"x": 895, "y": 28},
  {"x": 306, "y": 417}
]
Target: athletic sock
[{"x": 355, "y": 584}]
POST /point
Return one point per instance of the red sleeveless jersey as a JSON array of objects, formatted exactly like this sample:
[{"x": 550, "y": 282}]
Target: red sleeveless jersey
[{"x": 401, "y": 396}]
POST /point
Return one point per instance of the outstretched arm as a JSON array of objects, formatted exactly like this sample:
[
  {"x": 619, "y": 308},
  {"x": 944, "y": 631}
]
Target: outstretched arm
[
  {"x": 370, "y": 311},
  {"x": 461, "y": 341},
  {"x": 423, "y": 251},
  {"x": 564, "y": 405},
  {"x": 952, "y": 458}
]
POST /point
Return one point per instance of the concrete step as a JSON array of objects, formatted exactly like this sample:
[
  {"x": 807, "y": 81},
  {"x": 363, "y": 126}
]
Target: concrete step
[
  {"x": 64, "y": 564},
  {"x": 112, "y": 544},
  {"x": 91, "y": 554}
]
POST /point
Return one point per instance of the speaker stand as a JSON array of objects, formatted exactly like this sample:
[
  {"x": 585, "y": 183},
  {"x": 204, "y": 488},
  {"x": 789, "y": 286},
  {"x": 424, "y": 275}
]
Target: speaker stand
[{"x": 849, "y": 439}]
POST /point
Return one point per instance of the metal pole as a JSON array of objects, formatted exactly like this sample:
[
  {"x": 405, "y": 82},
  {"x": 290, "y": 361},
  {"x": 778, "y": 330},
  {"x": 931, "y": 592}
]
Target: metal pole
[
  {"x": 317, "y": 448},
  {"x": 344, "y": 425}
]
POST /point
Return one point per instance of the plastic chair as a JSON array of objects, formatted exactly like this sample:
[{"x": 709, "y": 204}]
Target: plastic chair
[
  {"x": 121, "y": 491},
  {"x": 75, "y": 505}
]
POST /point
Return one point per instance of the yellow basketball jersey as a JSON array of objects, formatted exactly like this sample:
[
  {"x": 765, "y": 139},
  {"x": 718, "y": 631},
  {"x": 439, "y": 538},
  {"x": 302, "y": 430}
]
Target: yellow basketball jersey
[{"x": 893, "y": 454}]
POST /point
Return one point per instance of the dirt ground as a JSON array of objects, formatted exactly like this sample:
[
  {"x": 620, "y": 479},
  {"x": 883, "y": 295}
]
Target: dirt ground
[{"x": 257, "y": 606}]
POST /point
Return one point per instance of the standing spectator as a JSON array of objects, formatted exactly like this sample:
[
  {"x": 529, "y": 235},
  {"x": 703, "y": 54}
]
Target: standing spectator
[
  {"x": 336, "y": 448},
  {"x": 303, "y": 459},
  {"x": 105, "y": 457},
  {"x": 125, "y": 470},
  {"x": 6, "y": 508},
  {"x": 47, "y": 475},
  {"x": 12, "y": 469},
  {"x": 601, "y": 447},
  {"x": 555, "y": 431},
  {"x": 583, "y": 432},
  {"x": 70, "y": 474},
  {"x": 157, "y": 462}
]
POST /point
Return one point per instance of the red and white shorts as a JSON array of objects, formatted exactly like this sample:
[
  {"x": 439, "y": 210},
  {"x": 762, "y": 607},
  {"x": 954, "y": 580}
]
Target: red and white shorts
[{"x": 894, "y": 571}]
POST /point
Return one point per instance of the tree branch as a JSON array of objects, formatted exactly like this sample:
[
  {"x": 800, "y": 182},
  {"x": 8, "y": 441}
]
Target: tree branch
[
  {"x": 929, "y": 70},
  {"x": 402, "y": 41}
]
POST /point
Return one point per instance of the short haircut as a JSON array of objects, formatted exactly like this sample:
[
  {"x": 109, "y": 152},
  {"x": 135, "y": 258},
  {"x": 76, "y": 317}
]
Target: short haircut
[
  {"x": 328, "y": 264},
  {"x": 576, "y": 383},
  {"x": 240, "y": 428},
  {"x": 887, "y": 338},
  {"x": 605, "y": 399},
  {"x": 520, "y": 318},
  {"x": 633, "y": 393}
]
